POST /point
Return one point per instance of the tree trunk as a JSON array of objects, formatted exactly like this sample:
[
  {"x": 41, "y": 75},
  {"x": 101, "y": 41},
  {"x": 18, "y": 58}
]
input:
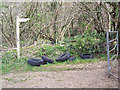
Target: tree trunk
[
  {"x": 55, "y": 29},
  {"x": 118, "y": 25},
  {"x": 113, "y": 16}
]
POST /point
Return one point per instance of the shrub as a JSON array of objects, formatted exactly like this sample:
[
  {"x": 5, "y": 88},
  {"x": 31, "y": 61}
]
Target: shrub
[{"x": 90, "y": 42}]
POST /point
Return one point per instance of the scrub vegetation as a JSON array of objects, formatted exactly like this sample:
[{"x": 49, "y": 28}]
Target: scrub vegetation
[{"x": 55, "y": 28}]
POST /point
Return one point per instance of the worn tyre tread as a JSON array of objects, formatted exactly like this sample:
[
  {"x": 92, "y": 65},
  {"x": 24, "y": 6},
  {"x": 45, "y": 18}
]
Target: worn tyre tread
[
  {"x": 46, "y": 59},
  {"x": 86, "y": 56},
  {"x": 35, "y": 62},
  {"x": 63, "y": 57},
  {"x": 71, "y": 58}
]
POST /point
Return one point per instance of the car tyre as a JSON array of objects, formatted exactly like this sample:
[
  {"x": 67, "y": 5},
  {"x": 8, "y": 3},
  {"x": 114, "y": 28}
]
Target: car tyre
[
  {"x": 35, "y": 62},
  {"x": 63, "y": 57}
]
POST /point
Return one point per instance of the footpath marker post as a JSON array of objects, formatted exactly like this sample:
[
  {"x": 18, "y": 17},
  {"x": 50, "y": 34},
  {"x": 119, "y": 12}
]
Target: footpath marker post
[{"x": 18, "y": 20}]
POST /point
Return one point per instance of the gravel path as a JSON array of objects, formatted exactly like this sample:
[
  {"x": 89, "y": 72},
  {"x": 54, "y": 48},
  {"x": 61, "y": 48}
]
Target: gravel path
[{"x": 92, "y": 75}]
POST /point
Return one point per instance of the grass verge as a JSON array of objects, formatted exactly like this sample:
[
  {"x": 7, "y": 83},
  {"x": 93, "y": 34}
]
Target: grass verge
[{"x": 11, "y": 64}]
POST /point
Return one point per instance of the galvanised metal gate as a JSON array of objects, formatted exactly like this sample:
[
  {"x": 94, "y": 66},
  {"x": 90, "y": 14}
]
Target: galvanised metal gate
[{"x": 112, "y": 54}]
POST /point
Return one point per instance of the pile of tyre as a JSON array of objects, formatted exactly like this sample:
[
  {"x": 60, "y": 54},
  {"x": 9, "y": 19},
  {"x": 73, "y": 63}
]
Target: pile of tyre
[{"x": 64, "y": 57}]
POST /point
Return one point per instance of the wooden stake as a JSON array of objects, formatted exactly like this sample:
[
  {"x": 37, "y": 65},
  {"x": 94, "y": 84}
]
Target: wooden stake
[{"x": 18, "y": 37}]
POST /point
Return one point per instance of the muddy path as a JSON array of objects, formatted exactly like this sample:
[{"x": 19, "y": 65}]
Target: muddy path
[{"x": 92, "y": 75}]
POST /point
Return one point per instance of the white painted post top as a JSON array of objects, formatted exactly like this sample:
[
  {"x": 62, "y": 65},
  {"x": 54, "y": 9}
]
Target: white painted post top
[{"x": 22, "y": 19}]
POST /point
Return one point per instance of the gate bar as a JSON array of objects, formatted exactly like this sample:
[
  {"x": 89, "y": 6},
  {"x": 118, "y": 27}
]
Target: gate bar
[
  {"x": 108, "y": 53},
  {"x": 113, "y": 48},
  {"x": 113, "y": 57},
  {"x": 113, "y": 31},
  {"x": 113, "y": 40}
]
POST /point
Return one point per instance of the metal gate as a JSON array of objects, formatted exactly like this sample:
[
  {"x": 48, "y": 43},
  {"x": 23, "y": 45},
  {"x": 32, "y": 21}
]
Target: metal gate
[{"x": 112, "y": 53}]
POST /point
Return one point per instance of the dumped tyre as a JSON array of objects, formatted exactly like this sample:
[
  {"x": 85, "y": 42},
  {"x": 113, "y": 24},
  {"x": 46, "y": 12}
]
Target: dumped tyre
[
  {"x": 47, "y": 60},
  {"x": 63, "y": 57},
  {"x": 71, "y": 58},
  {"x": 86, "y": 56},
  {"x": 35, "y": 62}
]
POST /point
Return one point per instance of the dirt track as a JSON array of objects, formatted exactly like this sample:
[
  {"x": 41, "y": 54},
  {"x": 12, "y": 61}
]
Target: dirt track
[{"x": 92, "y": 75}]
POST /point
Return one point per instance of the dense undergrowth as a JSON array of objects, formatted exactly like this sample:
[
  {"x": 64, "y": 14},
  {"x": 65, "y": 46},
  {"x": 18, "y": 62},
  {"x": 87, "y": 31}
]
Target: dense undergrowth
[
  {"x": 10, "y": 63},
  {"x": 90, "y": 42}
]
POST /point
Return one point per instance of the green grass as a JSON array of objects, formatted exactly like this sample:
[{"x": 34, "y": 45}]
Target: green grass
[
  {"x": 10, "y": 63},
  {"x": 9, "y": 79},
  {"x": 24, "y": 67}
]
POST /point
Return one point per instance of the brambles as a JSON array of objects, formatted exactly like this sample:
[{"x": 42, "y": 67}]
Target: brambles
[{"x": 90, "y": 42}]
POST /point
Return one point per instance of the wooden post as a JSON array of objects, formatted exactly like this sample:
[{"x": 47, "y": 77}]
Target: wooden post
[
  {"x": 18, "y": 33},
  {"x": 18, "y": 37}
]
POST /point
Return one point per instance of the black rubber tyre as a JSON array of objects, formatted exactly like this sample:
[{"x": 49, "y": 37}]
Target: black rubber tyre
[
  {"x": 35, "y": 62},
  {"x": 48, "y": 60},
  {"x": 71, "y": 58},
  {"x": 86, "y": 56},
  {"x": 63, "y": 57}
]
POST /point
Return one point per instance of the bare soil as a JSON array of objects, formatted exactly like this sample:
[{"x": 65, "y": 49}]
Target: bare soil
[{"x": 91, "y": 75}]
